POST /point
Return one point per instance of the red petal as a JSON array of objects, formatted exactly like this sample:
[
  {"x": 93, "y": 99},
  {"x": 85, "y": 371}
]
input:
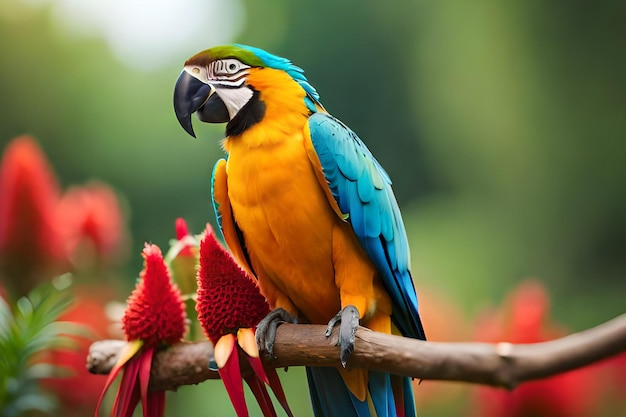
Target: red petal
[
  {"x": 145, "y": 362},
  {"x": 112, "y": 375},
  {"x": 132, "y": 404},
  {"x": 156, "y": 404},
  {"x": 270, "y": 377},
  {"x": 262, "y": 396},
  {"x": 257, "y": 367},
  {"x": 277, "y": 389},
  {"x": 231, "y": 377},
  {"x": 128, "y": 394}
]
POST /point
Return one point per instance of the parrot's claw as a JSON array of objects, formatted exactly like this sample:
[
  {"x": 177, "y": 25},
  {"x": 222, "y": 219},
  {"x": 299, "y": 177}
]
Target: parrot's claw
[
  {"x": 349, "y": 318},
  {"x": 266, "y": 329}
]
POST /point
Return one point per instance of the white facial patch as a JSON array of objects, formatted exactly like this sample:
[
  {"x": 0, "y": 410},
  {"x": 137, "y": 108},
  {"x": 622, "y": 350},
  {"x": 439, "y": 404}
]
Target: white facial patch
[{"x": 234, "y": 98}]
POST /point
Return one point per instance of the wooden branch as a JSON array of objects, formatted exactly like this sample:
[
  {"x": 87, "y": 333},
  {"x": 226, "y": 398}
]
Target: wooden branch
[{"x": 503, "y": 364}]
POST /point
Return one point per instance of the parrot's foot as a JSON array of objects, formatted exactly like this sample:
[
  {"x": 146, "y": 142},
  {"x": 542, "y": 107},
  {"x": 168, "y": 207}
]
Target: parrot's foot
[
  {"x": 349, "y": 318},
  {"x": 266, "y": 329}
]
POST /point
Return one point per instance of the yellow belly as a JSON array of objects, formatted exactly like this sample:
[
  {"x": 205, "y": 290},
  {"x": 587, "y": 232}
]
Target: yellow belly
[{"x": 287, "y": 224}]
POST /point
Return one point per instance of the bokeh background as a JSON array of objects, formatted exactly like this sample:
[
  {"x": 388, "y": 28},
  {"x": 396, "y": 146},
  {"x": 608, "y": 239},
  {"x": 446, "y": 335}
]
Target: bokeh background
[{"x": 502, "y": 124}]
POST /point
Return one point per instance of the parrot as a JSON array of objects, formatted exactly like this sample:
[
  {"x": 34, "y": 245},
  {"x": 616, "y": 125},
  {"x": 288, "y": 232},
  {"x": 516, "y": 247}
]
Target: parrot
[{"x": 309, "y": 212}]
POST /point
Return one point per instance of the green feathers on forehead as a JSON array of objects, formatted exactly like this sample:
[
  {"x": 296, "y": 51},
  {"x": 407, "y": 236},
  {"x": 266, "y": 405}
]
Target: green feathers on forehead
[{"x": 246, "y": 56}]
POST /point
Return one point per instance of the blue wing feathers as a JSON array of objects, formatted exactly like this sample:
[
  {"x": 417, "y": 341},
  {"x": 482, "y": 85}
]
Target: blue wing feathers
[
  {"x": 373, "y": 222},
  {"x": 378, "y": 179},
  {"x": 386, "y": 227},
  {"x": 362, "y": 189},
  {"x": 347, "y": 160},
  {"x": 366, "y": 189}
]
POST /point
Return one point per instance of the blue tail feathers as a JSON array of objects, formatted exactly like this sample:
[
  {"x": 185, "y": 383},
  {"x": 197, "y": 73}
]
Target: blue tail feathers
[{"x": 330, "y": 397}]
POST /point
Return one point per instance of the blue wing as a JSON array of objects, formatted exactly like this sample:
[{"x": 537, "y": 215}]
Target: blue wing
[{"x": 362, "y": 190}]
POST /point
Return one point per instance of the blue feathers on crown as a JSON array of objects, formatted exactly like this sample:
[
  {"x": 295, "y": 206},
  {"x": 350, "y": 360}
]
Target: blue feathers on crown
[{"x": 295, "y": 72}]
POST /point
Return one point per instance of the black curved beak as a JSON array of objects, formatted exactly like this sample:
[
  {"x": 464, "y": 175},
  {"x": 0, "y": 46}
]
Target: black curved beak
[{"x": 189, "y": 95}]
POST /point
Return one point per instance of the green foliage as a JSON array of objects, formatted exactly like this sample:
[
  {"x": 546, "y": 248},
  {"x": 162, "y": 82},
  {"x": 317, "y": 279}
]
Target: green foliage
[{"x": 27, "y": 329}]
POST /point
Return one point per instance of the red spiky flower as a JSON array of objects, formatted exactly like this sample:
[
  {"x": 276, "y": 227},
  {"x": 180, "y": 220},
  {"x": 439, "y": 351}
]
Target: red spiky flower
[
  {"x": 229, "y": 308},
  {"x": 92, "y": 224},
  {"x": 155, "y": 317},
  {"x": 30, "y": 245}
]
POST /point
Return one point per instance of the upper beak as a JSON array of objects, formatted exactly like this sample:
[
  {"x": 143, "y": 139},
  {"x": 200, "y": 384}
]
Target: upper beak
[{"x": 189, "y": 95}]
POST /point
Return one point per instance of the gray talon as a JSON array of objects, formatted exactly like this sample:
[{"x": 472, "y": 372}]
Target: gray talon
[
  {"x": 349, "y": 318},
  {"x": 266, "y": 329}
]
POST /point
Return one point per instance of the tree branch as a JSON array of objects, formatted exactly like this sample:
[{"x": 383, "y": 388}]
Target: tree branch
[{"x": 503, "y": 364}]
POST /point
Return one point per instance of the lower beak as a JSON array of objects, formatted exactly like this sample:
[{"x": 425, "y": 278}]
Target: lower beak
[{"x": 189, "y": 95}]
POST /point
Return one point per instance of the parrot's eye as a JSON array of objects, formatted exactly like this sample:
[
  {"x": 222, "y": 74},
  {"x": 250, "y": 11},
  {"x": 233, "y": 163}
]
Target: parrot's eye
[{"x": 228, "y": 67}]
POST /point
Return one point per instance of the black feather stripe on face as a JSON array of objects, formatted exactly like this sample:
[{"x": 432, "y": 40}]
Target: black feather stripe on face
[{"x": 249, "y": 115}]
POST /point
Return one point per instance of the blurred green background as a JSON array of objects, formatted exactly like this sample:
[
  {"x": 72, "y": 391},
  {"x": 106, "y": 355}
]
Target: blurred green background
[{"x": 502, "y": 124}]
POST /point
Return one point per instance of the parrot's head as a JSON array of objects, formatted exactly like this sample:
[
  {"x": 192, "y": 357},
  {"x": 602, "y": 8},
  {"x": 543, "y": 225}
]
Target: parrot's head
[{"x": 214, "y": 85}]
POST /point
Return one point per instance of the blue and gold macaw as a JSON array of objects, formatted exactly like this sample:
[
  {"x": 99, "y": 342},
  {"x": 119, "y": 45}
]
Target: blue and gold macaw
[{"x": 308, "y": 210}]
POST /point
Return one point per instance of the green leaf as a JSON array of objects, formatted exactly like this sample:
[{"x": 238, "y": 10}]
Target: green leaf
[{"x": 28, "y": 328}]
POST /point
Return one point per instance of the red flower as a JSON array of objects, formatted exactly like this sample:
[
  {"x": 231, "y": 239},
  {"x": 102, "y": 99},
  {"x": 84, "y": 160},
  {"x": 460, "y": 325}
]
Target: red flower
[
  {"x": 612, "y": 375},
  {"x": 155, "y": 317},
  {"x": 228, "y": 298},
  {"x": 92, "y": 224},
  {"x": 229, "y": 308},
  {"x": 525, "y": 320},
  {"x": 156, "y": 312},
  {"x": 30, "y": 246}
]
